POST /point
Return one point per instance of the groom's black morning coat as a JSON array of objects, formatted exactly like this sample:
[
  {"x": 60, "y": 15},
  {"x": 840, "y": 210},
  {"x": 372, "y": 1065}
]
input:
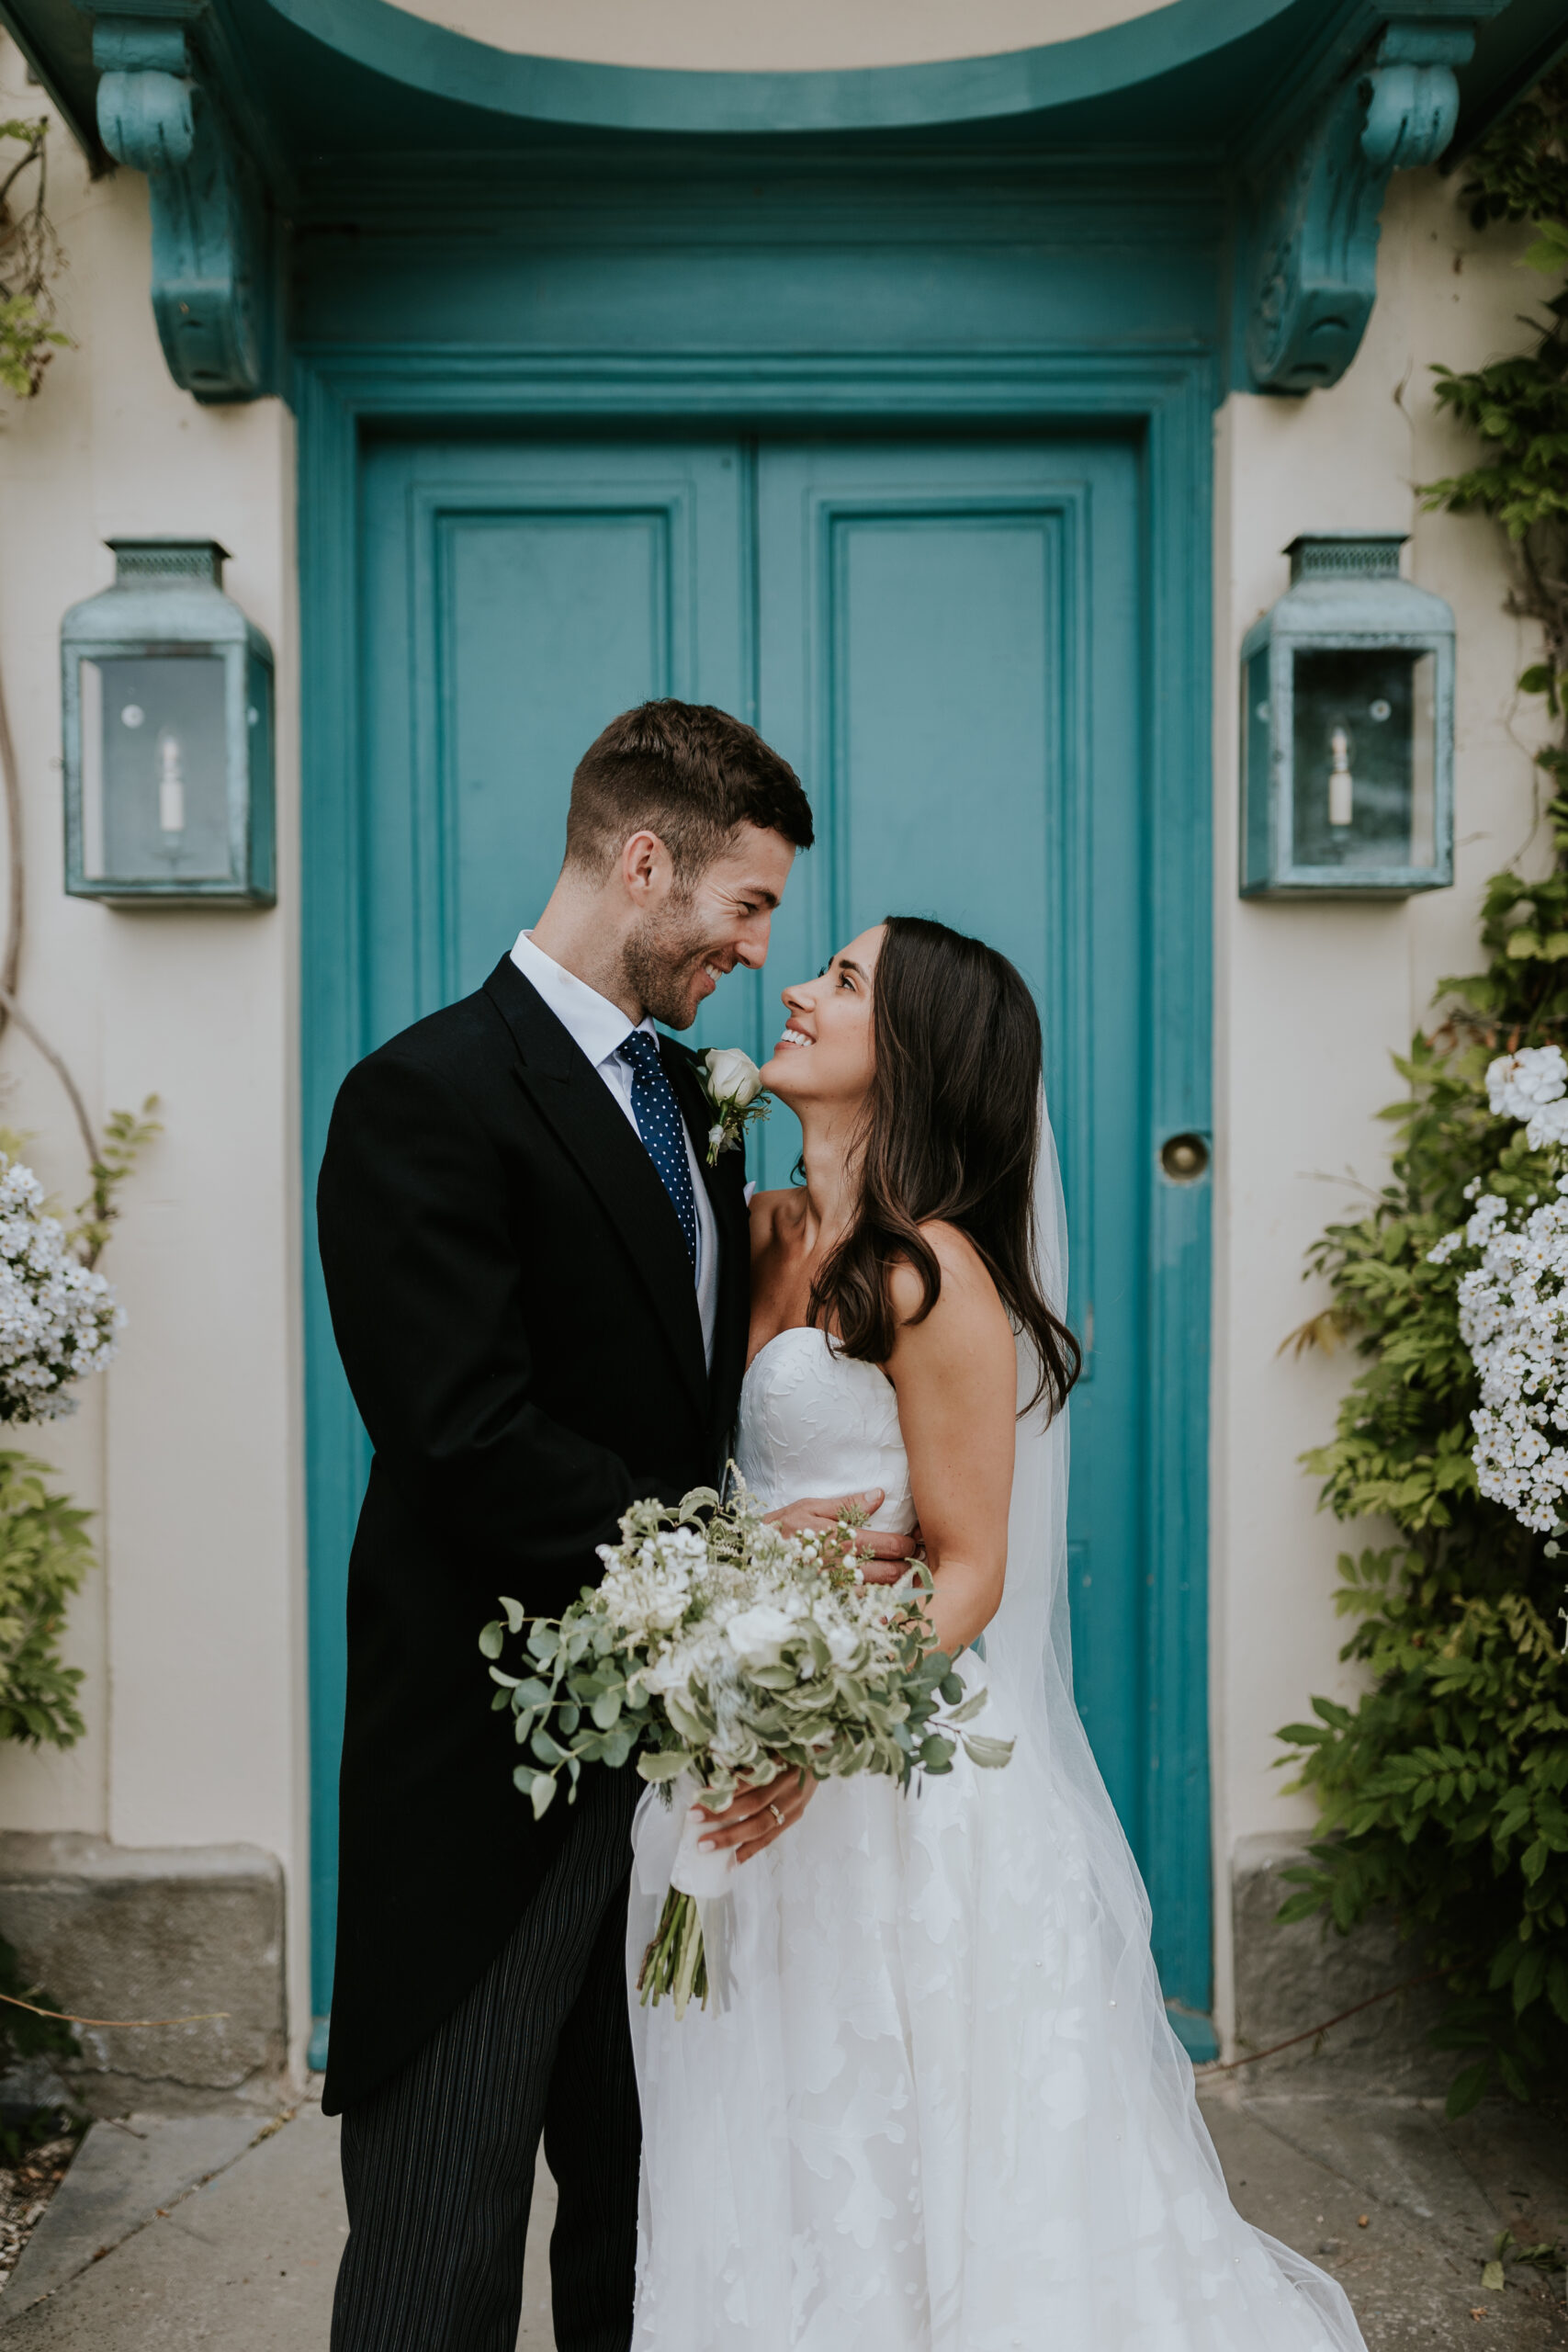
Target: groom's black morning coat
[{"x": 514, "y": 1308}]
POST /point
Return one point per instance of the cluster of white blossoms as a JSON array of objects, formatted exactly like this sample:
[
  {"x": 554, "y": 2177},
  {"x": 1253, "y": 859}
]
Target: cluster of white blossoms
[
  {"x": 727, "y": 1616},
  {"x": 58, "y": 1319},
  {"x": 646, "y": 1588},
  {"x": 1532, "y": 1084},
  {"x": 1513, "y": 1306}
]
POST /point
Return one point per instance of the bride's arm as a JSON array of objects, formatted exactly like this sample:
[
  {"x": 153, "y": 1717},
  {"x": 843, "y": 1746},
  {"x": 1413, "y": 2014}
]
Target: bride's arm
[{"x": 956, "y": 1377}]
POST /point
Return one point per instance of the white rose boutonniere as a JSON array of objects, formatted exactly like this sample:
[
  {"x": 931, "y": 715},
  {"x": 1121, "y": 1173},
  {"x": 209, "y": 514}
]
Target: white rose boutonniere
[{"x": 733, "y": 1085}]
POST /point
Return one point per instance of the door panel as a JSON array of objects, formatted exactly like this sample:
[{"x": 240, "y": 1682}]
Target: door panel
[
  {"x": 517, "y": 596},
  {"x": 943, "y": 635},
  {"x": 937, "y": 622}
]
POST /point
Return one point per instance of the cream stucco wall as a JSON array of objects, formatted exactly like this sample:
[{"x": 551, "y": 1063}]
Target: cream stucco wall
[
  {"x": 1311, "y": 1001},
  {"x": 755, "y": 37},
  {"x": 188, "y": 1448}
]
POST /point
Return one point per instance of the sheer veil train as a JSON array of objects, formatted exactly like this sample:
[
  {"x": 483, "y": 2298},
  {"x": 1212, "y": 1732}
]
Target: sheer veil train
[{"x": 1029, "y": 1669}]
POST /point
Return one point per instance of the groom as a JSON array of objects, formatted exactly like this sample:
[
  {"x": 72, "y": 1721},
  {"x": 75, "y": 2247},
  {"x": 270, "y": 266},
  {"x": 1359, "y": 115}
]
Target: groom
[{"x": 539, "y": 1290}]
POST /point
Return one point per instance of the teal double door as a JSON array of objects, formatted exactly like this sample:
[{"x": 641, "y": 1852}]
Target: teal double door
[{"x": 943, "y": 636}]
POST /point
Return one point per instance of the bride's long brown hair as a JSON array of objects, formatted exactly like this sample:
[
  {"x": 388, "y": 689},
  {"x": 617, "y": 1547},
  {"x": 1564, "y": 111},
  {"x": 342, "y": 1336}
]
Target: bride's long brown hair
[{"x": 950, "y": 1131}]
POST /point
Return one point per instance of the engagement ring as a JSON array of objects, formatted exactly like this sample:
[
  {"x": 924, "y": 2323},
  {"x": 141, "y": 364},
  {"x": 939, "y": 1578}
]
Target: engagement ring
[{"x": 776, "y": 1814}]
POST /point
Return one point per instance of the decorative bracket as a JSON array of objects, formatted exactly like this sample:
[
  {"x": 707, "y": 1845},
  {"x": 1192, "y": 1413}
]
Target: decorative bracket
[
  {"x": 209, "y": 221},
  {"x": 1316, "y": 207}
]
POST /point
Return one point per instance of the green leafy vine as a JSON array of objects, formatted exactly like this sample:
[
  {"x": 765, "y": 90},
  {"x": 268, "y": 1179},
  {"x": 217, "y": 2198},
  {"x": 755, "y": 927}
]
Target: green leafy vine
[
  {"x": 1443, "y": 1791},
  {"x": 29, "y": 258}
]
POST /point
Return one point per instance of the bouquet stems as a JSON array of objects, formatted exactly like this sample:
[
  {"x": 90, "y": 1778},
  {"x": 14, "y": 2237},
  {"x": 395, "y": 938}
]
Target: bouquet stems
[{"x": 675, "y": 1961}]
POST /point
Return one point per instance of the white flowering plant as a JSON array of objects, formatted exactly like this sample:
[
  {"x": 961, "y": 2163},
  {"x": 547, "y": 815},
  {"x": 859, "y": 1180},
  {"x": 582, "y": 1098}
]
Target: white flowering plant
[
  {"x": 1443, "y": 1783},
  {"x": 721, "y": 1652},
  {"x": 733, "y": 1085},
  {"x": 58, "y": 1320},
  {"x": 1513, "y": 1301}
]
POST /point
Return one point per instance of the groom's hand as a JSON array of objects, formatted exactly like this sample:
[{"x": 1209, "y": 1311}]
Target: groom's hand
[
  {"x": 757, "y": 1816},
  {"x": 881, "y": 1556}
]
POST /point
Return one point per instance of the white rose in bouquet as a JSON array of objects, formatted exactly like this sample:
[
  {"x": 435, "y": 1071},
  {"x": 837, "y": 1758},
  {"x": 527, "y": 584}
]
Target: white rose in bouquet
[{"x": 758, "y": 1635}]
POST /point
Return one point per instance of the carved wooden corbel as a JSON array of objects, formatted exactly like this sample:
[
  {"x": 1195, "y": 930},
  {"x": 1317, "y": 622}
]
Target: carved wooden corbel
[
  {"x": 210, "y": 226},
  {"x": 1316, "y": 208}
]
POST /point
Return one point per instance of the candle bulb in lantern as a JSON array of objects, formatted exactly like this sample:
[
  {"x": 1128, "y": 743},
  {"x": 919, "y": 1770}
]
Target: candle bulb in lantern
[
  {"x": 171, "y": 786},
  {"x": 1342, "y": 783}
]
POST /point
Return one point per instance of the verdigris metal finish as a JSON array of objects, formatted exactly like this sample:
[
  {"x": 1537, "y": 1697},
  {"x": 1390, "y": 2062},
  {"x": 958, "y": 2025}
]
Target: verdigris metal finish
[
  {"x": 1348, "y": 728},
  {"x": 209, "y": 231},
  {"x": 167, "y": 696},
  {"x": 1316, "y": 206}
]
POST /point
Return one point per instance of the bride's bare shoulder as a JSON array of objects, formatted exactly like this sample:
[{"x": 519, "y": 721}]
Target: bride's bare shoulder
[{"x": 969, "y": 1304}]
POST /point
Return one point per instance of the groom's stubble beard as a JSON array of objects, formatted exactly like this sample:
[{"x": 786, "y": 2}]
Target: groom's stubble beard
[{"x": 663, "y": 958}]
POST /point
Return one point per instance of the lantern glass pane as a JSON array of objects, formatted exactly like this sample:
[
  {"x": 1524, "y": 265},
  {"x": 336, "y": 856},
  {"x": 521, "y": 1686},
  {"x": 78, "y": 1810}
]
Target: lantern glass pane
[
  {"x": 1363, "y": 744},
  {"x": 155, "y": 768}
]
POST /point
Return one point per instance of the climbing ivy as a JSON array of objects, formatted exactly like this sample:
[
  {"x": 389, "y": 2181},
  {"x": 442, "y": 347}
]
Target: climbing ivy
[
  {"x": 1444, "y": 1790},
  {"x": 29, "y": 259}
]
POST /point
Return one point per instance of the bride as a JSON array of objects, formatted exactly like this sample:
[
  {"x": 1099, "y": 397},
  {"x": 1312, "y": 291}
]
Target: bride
[{"x": 938, "y": 2107}]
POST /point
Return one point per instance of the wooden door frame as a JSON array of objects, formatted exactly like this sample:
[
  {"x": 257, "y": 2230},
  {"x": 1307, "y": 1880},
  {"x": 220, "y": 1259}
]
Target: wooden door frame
[{"x": 1167, "y": 397}]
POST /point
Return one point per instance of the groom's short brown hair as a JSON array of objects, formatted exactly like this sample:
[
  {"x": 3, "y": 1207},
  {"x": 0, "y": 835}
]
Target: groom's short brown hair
[{"x": 686, "y": 772}]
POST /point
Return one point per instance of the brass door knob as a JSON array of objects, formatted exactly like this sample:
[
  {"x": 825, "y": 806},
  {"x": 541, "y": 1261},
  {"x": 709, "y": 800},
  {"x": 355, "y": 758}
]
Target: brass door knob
[{"x": 1184, "y": 1158}]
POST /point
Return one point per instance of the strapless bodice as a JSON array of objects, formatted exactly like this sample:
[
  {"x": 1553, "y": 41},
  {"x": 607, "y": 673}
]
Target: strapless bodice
[{"x": 814, "y": 1421}]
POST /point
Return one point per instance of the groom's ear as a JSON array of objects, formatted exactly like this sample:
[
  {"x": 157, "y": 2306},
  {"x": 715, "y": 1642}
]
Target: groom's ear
[{"x": 646, "y": 870}]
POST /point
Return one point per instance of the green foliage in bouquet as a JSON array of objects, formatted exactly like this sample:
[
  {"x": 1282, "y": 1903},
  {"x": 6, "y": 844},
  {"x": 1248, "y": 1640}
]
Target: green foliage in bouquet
[
  {"x": 1444, "y": 1791},
  {"x": 594, "y": 1677},
  {"x": 44, "y": 1554},
  {"x": 717, "y": 1647}
]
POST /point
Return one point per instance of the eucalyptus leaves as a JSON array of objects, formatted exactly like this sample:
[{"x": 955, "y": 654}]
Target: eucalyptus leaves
[{"x": 719, "y": 1648}]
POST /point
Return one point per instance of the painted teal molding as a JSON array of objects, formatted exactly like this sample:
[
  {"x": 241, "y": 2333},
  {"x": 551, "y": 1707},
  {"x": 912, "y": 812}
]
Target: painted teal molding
[
  {"x": 1169, "y": 395},
  {"x": 1316, "y": 213},
  {"x": 433, "y": 59},
  {"x": 209, "y": 228}
]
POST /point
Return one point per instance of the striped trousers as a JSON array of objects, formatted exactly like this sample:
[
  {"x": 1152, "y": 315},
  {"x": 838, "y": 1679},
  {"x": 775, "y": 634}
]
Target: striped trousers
[{"x": 438, "y": 2162}]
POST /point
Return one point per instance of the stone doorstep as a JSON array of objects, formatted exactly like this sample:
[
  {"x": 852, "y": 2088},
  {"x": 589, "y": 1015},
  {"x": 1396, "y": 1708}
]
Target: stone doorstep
[
  {"x": 1290, "y": 1979},
  {"x": 118, "y": 1931}
]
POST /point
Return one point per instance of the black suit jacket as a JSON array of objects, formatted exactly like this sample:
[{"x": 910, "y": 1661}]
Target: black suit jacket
[{"x": 514, "y": 1308}]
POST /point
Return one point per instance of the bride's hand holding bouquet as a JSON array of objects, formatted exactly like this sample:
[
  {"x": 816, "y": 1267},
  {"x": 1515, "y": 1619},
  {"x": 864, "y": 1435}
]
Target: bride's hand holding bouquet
[{"x": 723, "y": 1652}]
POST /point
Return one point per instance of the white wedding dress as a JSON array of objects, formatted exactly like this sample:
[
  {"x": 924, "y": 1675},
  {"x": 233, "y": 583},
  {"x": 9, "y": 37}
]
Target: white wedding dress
[{"x": 940, "y": 2108}]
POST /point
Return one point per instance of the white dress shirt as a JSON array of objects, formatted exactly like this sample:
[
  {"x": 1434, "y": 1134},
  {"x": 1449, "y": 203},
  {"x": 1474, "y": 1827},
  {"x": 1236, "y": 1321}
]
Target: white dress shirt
[{"x": 600, "y": 1029}]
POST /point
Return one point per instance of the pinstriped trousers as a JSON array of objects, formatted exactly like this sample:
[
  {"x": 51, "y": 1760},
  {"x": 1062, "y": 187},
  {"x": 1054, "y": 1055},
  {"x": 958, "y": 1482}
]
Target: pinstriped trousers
[{"x": 438, "y": 2163}]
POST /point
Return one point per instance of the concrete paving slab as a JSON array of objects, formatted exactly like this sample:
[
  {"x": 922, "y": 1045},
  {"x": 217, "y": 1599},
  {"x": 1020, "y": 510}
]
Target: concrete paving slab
[
  {"x": 244, "y": 2263},
  {"x": 1403, "y": 2209},
  {"x": 1401, "y": 2206},
  {"x": 121, "y": 2174}
]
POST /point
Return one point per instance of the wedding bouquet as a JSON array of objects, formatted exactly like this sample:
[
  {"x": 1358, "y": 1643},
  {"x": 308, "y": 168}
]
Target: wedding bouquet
[
  {"x": 58, "y": 1319},
  {"x": 718, "y": 1648}
]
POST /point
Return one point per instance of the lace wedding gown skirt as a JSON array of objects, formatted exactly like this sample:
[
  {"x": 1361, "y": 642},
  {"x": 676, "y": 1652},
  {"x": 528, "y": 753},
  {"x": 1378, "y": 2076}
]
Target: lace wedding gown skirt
[{"x": 940, "y": 2108}]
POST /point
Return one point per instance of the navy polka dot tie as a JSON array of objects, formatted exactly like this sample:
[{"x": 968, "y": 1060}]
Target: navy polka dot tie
[{"x": 659, "y": 1123}]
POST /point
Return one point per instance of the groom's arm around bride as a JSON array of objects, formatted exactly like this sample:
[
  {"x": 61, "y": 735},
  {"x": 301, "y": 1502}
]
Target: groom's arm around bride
[{"x": 539, "y": 1292}]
